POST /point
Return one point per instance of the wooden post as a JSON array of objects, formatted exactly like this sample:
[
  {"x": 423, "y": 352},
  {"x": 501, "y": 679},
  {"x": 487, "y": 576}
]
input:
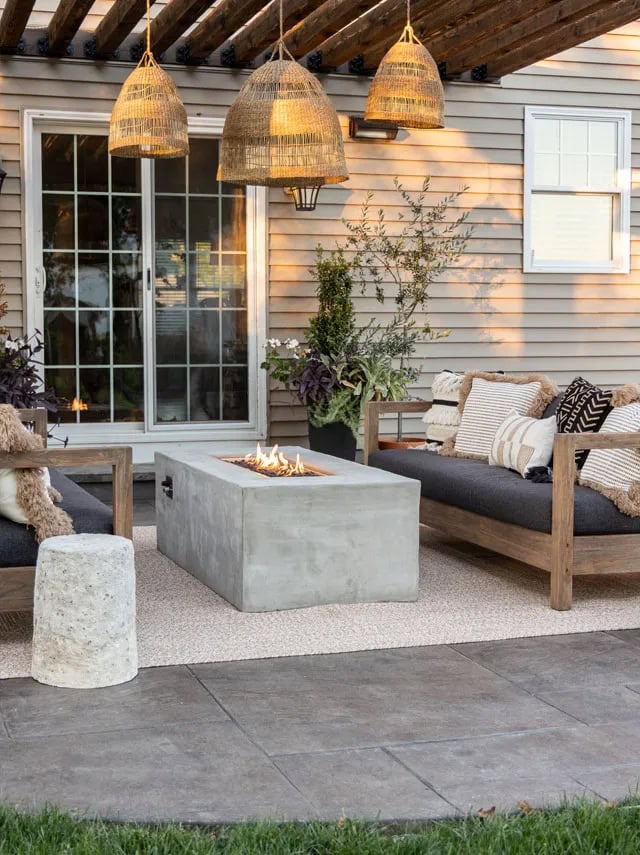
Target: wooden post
[
  {"x": 123, "y": 492},
  {"x": 564, "y": 468}
]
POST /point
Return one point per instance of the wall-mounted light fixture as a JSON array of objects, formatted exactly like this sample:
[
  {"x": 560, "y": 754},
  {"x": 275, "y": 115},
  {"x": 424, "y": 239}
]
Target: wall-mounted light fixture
[
  {"x": 3, "y": 175},
  {"x": 362, "y": 129},
  {"x": 305, "y": 198}
]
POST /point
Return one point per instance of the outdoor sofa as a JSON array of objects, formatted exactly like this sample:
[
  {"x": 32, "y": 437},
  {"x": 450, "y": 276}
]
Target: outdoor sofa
[
  {"x": 563, "y": 528},
  {"x": 18, "y": 547}
]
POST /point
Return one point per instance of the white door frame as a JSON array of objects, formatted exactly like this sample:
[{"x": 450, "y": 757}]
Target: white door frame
[{"x": 33, "y": 122}]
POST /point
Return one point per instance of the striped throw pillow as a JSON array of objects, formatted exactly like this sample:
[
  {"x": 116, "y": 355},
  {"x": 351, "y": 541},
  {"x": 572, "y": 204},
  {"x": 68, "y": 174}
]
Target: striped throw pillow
[
  {"x": 615, "y": 472},
  {"x": 583, "y": 409},
  {"x": 486, "y": 407},
  {"x": 522, "y": 443}
]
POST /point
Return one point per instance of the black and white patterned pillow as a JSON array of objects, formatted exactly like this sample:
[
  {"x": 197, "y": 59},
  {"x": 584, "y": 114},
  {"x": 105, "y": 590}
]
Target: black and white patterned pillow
[{"x": 583, "y": 409}]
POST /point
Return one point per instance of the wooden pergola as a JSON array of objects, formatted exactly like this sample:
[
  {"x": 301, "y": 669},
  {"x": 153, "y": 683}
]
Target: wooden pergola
[{"x": 470, "y": 39}]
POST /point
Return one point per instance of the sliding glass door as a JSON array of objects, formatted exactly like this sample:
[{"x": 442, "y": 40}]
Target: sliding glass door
[{"x": 145, "y": 286}]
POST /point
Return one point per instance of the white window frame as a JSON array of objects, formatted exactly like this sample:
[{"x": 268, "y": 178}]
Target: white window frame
[
  {"x": 36, "y": 121},
  {"x": 621, "y": 193}
]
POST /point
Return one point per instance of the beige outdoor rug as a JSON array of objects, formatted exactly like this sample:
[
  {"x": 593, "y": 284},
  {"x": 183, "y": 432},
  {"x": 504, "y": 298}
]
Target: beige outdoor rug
[{"x": 466, "y": 594}]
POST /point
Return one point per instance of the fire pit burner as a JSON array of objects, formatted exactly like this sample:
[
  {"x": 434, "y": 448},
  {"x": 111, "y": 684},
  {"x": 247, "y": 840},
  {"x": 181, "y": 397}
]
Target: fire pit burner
[{"x": 274, "y": 464}]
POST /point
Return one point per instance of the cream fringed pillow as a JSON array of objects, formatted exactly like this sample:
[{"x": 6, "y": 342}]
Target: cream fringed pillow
[
  {"x": 443, "y": 418},
  {"x": 615, "y": 472},
  {"x": 522, "y": 443},
  {"x": 486, "y": 400}
]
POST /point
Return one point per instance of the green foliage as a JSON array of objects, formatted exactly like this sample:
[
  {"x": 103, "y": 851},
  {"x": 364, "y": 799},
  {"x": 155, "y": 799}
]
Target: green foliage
[
  {"x": 406, "y": 258},
  {"x": 333, "y": 329},
  {"x": 579, "y": 828},
  {"x": 4, "y": 308}
]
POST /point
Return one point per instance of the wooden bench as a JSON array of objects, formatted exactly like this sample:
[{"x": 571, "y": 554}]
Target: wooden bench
[
  {"x": 16, "y": 583},
  {"x": 562, "y": 554}
]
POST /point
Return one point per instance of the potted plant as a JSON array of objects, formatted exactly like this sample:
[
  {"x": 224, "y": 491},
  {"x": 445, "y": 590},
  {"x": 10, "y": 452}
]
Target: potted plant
[{"x": 340, "y": 369}]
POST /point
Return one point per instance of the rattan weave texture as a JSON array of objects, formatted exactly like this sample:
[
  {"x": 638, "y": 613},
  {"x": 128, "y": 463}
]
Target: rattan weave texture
[
  {"x": 282, "y": 131},
  {"x": 407, "y": 89},
  {"x": 148, "y": 119}
]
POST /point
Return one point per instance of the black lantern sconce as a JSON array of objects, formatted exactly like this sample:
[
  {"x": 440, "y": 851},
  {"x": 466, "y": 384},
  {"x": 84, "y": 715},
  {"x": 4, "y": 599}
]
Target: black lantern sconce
[
  {"x": 3, "y": 175},
  {"x": 305, "y": 198}
]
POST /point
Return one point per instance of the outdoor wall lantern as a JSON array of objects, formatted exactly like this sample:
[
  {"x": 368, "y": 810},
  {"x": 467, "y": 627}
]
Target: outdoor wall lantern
[
  {"x": 305, "y": 198},
  {"x": 361, "y": 129},
  {"x": 3, "y": 175}
]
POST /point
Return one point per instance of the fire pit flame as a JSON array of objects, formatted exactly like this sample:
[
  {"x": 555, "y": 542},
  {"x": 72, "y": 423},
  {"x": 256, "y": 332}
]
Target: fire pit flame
[{"x": 275, "y": 462}]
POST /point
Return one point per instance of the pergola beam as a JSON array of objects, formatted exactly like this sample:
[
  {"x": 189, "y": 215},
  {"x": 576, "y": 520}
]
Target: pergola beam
[
  {"x": 323, "y": 22},
  {"x": 223, "y": 21},
  {"x": 65, "y": 24},
  {"x": 608, "y": 16},
  {"x": 360, "y": 35},
  {"x": 13, "y": 22},
  {"x": 444, "y": 19},
  {"x": 261, "y": 33},
  {"x": 117, "y": 24},
  {"x": 537, "y": 25},
  {"x": 172, "y": 21}
]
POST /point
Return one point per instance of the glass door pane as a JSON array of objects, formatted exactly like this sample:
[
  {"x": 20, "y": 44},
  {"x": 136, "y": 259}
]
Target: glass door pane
[
  {"x": 92, "y": 246},
  {"x": 200, "y": 303}
]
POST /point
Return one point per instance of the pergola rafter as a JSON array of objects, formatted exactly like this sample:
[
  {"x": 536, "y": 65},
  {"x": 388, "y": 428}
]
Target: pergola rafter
[
  {"x": 65, "y": 24},
  {"x": 608, "y": 16},
  {"x": 330, "y": 17},
  {"x": 536, "y": 25},
  {"x": 13, "y": 22},
  {"x": 117, "y": 24},
  {"x": 176, "y": 17},
  {"x": 261, "y": 33},
  {"x": 362, "y": 33},
  {"x": 221, "y": 23},
  {"x": 436, "y": 18}
]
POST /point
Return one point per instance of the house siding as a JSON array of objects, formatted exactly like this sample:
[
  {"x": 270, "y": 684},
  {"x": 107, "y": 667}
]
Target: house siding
[{"x": 500, "y": 318}]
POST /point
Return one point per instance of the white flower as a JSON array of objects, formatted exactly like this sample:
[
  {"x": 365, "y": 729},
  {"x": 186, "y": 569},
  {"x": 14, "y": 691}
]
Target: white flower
[
  {"x": 273, "y": 342},
  {"x": 11, "y": 345},
  {"x": 296, "y": 356},
  {"x": 292, "y": 343}
]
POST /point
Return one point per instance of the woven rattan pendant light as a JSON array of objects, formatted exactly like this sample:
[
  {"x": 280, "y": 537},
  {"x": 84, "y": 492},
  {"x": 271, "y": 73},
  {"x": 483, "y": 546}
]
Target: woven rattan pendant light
[
  {"x": 407, "y": 89},
  {"x": 282, "y": 130},
  {"x": 148, "y": 119}
]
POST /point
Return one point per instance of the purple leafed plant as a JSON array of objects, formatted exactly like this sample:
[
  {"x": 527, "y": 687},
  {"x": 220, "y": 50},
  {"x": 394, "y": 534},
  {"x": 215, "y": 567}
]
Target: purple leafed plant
[
  {"x": 316, "y": 382},
  {"x": 19, "y": 381}
]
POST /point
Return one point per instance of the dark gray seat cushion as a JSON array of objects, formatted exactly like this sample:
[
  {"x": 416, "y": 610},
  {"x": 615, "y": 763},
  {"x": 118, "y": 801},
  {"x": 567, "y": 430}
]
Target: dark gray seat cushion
[
  {"x": 18, "y": 547},
  {"x": 500, "y": 494}
]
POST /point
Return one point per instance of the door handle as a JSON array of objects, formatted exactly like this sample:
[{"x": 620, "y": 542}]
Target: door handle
[{"x": 41, "y": 281}]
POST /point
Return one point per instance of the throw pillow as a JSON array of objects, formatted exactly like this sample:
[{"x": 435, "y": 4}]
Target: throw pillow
[
  {"x": 583, "y": 409},
  {"x": 615, "y": 472},
  {"x": 523, "y": 443},
  {"x": 443, "y": 418},
  {"x": 9, "y": 506},
  {"x": 486, "y": 400}
]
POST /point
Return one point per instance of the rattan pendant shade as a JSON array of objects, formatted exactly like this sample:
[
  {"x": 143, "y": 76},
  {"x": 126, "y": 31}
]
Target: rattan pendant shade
[
  {"x": 282, "y": 131},
  {"x": 148, "y": 119},
  {"x": 407, "y": 89}
]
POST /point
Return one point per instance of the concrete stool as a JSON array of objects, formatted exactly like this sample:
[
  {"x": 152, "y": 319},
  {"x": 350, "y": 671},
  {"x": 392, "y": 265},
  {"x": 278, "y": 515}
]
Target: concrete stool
[{"x": 84, "y": 614}]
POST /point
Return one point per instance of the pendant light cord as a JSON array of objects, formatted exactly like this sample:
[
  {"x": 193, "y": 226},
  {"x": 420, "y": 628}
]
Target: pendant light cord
[
  {"x": 149, "y": 25},
  {"x": 281, "y": 42},
  {"x": 408, "y": 13}
]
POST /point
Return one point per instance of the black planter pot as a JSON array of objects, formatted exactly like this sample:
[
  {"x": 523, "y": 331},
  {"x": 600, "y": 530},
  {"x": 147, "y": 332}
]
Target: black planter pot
[{"x": 335, "y": 439}]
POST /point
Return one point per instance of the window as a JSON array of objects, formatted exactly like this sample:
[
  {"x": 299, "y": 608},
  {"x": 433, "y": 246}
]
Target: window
[{"x": 577, "y": 190}]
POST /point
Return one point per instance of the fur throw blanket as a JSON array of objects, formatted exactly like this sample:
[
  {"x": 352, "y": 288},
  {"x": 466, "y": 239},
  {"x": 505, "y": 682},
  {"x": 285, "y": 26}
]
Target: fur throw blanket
[{"x": 32, "y": 494}]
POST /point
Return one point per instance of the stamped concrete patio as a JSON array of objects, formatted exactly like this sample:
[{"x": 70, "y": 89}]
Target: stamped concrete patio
[{"x": 397, "y": 734}]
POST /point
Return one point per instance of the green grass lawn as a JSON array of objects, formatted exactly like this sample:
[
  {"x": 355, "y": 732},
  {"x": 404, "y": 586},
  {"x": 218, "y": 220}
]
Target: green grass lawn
[{"x": 577, "y": 829}]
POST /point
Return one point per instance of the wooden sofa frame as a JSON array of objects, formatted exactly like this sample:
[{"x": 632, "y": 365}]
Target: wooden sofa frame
[
  {"x": 561, "y": 553},
  {"x": 16, "y": 583}
]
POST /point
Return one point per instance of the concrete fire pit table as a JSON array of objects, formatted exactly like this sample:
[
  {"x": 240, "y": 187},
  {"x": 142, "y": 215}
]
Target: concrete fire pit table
[{"x": 349, "y": 534}]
